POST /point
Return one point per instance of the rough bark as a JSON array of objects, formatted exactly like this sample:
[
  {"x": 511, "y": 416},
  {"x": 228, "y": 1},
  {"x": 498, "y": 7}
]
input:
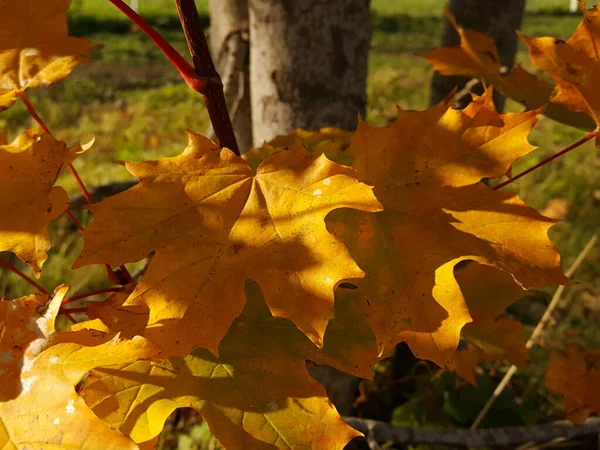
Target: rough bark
[
  {"x": 230, "y": 47},
  {"x": 497, "y": 19},
  {"x": 308, "y": 64}
]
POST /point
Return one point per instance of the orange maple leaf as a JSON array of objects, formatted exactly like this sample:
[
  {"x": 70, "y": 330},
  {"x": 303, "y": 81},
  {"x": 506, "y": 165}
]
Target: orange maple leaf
[
  {"x": 574, "y": 64},
  {"x": 426, "y": 170},
  {"x": 214, "y": 224},
  {"x": 29, "y": 167},
  {"x": 260, "y": 376},
  {"x": 35, "y": 48},
  {"x": 477, "y": 57},
  {"x": 488, "y": 292},
  {"x": 41, "y": 367},
  {"x": 576, "y": 376}
]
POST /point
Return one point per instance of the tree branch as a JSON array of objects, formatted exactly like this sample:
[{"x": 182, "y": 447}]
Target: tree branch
[
  {"x": 205, "y": 68},
  {"x": 496, "y": 437}
]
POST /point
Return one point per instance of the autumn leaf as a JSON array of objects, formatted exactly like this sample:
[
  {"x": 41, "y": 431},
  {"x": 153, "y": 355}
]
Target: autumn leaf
[
  {"x": 426, "y": 169},
  {"x": 477, "y": 57},
  {"x": 256, "y": 395},
  {"x": 489, "y": 337},
  {"x": 35, "y": 48},
  {"x": 331, "y": 141},
  {"x": 29, "y": 167},
  {"x": 574, "y": 64},
  {"x": 576, "y": 376},
  {"x": 213, "y": 224},
  {"x": 45, "y": 411}
]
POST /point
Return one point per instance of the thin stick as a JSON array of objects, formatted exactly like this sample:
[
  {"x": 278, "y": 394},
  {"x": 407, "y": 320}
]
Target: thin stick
[
  {"x": 72, "y": 310},
  {"x": 205, "y": 68},
  {"x": 189, "y": 75},
  {"x": 22, "y": 275},
  {"x": 537, "y": 332},
  {"x": 581, "y": 141},
  {"x": 74, "y": 298}
]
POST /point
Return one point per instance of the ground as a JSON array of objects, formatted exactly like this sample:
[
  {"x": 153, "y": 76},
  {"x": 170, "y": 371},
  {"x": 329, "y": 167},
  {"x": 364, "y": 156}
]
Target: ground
[{"x": 135, "y": 105}]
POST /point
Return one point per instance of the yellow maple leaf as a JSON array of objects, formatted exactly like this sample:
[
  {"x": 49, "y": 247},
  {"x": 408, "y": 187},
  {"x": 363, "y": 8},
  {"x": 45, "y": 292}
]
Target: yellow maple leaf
[
  {"x": 477, "y": 57},
  {"x": 331, "y": 141},
  {"x": 576, "y": 376},
  {"x": 256, "y": 395},
  {"x": 46, "y": 411},
  {"x": 29, "y": 167},
  {"x": 426, "y": 170},
  {"x": 35, "y": 48},
  {"x": 574, "y": 64},
  {"x": 214, "y": 224}
]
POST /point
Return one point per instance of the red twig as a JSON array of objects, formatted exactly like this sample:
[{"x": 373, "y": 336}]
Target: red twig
[
  {"x": 581, "y": 141},
  {"x": 74, "y": 219},
  {"x": 74, "y": 298},
  {"x": 205, "y": 68},
  {"x": 41, "y": 123},
  {"x": 189, "y": 75},
  {"x": 123, "y": 276},
  {"x": 22, "y": 275}
]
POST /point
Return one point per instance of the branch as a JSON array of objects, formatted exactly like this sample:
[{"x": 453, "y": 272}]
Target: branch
[
  {"x": 496, "y": 437},
  {"x": 205, "y": 68}
]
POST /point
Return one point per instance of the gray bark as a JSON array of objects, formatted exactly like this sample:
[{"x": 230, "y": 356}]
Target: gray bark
[
  {"x": 498, "y": 19},
  {"x": 308, "y": 64},
  {"x": 230, "y": 48}
]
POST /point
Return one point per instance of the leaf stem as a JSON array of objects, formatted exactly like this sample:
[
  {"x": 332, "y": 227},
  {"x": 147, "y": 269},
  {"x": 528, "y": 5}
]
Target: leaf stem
[
  {"x": 205, "y": 68},
  {"x": 122, "y": 275},
  {"x": 581, "y": 141},
  {"x": 45, "y": 129},
  {"x": 189, "y": 75},
  {"x": 23, "y": 276},
  {"x": 74, "y": 298}
]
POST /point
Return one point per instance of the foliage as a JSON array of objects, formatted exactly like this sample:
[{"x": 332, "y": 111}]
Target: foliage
[{"x": 259, "y": 265}]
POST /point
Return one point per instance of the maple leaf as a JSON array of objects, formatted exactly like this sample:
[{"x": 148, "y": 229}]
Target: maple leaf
[
  {"x": 213, "y": 224},
  {"x": 576, "y": 376},
  {"x": 477, "y": 57},
  {"x": 256, "y": 395},
  {"x": 426, "y": 170},
  {"x": 35, "y": 49},
  {"x": 574, "y": 64},
  {"x": 29, "y": 167},
  {"x": 488, "y": 292},
  {"x": 332, "y": 142},
  {"x": 45, "y": 411}
]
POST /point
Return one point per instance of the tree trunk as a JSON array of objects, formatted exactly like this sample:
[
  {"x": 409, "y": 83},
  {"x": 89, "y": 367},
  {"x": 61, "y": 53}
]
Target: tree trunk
[
  {"x": 230, "y": 48},
  {"x": 308, "y": 64},
  {"x": 498, "y": 19}
]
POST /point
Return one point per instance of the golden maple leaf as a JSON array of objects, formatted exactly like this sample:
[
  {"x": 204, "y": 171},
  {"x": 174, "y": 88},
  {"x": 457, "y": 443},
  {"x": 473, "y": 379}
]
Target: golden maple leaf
[
  {"x": 426, "y": 170},
  {"x": 41, "y": 367},
  {"x": 332, "y": 142},
  {"x": 256, "y": 395},
  {"x": 576, "y": 376},
  {"x": 477, "y": 57},
  {"x": 574, "y": 64},
  {"x": 213, "y": 224},
  {"x": 29, "y": 167},
  {"x": 35, "y": 48},
  {"x": 488, "y": 292}
]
